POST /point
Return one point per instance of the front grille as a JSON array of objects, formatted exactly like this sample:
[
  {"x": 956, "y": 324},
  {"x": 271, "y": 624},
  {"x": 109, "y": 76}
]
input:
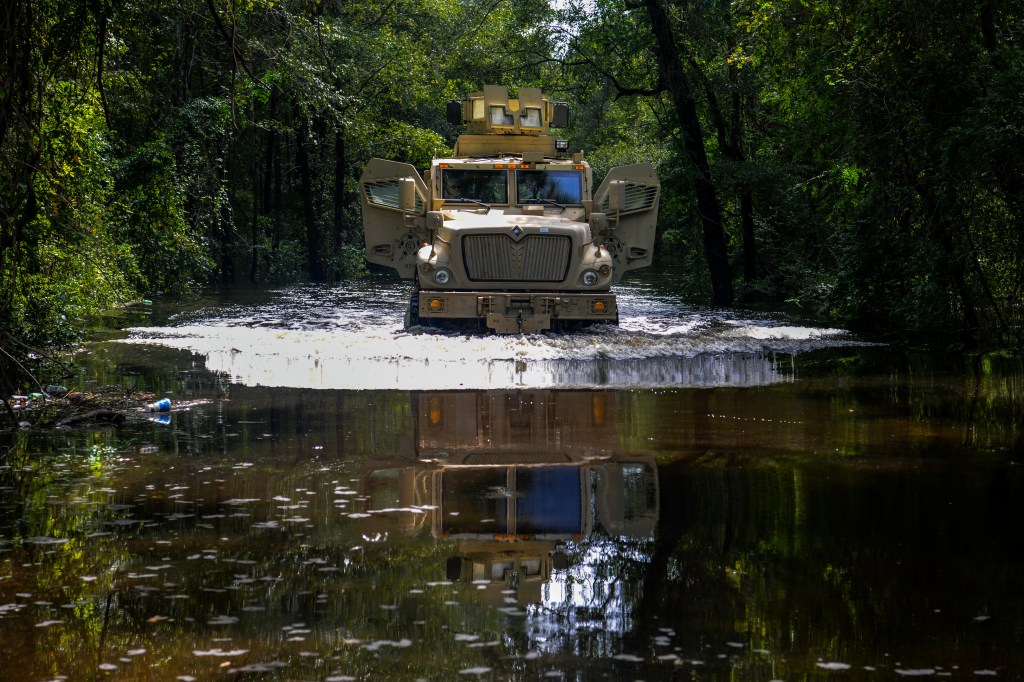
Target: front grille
[{"x": 499, "y": 258}]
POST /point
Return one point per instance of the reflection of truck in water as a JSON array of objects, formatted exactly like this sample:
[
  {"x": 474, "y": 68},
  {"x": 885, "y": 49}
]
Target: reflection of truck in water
[
  {"x": 513, "y": 476},
  {"x": 511, "y": 523},
  {"x": 507, "y": 235}
]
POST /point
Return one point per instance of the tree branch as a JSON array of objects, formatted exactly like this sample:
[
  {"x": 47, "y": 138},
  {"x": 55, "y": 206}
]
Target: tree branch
[{"x": 236, "y": 53}]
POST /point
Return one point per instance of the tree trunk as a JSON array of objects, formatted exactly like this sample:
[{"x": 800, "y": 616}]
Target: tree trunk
[
  {"x": 314, "y": 258},
  {"x": 276, "y": 226},
  {"x": 254, "y": 238},
  {"x": 223, "y": 220},
  {"x": 939, "y": 233},
  {"x": 749, "y": 237},
  {"x": 678, "y": 85},
  {"x": 340, "y": 200}
]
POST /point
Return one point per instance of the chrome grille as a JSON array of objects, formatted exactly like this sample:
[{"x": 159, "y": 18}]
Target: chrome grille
[{"x": 499, "y": 258}]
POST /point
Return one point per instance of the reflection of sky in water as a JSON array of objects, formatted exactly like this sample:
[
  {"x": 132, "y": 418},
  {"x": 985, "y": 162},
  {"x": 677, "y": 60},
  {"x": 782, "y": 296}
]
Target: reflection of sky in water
[
  {"x": 344, "y": 338},
  {"x": 582, "y": 597}
]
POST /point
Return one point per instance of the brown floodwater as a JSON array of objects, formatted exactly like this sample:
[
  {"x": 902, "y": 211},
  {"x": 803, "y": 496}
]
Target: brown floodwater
[{"x": 694, "y": 495}]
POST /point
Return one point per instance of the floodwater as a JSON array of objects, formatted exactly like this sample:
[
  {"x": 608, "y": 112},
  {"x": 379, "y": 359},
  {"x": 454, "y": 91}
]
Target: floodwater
[{"x": 693, "y": 495}]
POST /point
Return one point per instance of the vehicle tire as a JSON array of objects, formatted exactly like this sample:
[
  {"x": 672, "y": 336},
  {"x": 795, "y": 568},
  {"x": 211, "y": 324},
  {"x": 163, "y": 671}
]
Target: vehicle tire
[{"x": 412, "y": 311}]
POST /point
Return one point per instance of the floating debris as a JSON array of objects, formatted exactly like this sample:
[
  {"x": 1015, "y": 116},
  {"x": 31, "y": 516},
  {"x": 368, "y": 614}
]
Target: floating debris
[
  {"x": 261, "y": 667},
  {"x": 475, "y": 671},
  {"x": 400, "y": 644},
  {"x": 220, "y": 652}
]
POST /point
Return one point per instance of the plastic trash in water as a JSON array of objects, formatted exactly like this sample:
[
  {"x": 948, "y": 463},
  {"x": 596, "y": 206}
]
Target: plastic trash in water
[
  {"x": 162, "y": 405},
  {"x": 56, "y": 390}
]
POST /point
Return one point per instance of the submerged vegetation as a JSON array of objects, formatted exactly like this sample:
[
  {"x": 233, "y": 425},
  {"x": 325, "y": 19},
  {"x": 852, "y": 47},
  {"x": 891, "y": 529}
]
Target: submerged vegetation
[{"x": 861, "y": 159}]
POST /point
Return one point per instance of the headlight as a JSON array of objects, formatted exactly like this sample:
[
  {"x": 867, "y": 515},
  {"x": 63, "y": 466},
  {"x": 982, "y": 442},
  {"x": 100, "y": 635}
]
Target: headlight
[
  {"x": 589, "y": 278},
  {"x": 442, "y": 276}
]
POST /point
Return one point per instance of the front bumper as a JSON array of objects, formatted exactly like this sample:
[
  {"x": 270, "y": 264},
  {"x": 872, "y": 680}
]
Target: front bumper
[{"x": 518, "y": 312}]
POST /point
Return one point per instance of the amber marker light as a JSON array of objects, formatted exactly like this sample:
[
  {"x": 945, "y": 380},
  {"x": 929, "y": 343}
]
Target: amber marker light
[
  {"x": 598, "y": 306},
  {"x": 597, "y": 409},
  {"x": 436, "y": 411},
  {"x": 436, "y": 305}
]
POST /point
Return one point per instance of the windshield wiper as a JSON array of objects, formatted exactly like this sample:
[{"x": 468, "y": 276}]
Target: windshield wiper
[
  {"x": 546, "y": 201},
  {"x": 464, "y": 200}
]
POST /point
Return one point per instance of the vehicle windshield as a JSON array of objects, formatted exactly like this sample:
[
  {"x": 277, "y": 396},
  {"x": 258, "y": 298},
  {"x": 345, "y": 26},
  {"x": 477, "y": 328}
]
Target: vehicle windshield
[
  {"x": 559, "y": 186},
  {"x": 488, "y": 186}
]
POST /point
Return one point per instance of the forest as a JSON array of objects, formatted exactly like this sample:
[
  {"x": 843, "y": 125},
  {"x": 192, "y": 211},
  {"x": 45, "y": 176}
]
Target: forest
[{"x": 861, "y": 161}]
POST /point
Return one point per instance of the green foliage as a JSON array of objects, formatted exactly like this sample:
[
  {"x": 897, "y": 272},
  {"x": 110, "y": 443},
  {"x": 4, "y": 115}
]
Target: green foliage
[
  {"x": 166, "y": 252},
  {"x": 867, "y": 156},
  {"x": 66, "y": 267},
  {"x": 403, "y": 142}
]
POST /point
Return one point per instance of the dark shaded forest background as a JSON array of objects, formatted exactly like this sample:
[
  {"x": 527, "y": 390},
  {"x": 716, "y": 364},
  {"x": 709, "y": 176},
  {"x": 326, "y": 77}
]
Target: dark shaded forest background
[{"x": 861, "y": 159}]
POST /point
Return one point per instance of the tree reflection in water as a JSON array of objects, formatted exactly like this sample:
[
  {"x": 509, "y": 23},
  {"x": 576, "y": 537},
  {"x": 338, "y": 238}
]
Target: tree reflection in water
[{"x": 760, "y": 533}]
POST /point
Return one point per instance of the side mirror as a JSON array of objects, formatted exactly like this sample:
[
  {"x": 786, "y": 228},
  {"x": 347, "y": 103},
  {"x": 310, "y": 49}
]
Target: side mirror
[
  {"x": 406, "y": 194},
  {"x": 617, "y": 196},
  {"x": 453, "y": 112},
  {"x": 560, "y": 115}
]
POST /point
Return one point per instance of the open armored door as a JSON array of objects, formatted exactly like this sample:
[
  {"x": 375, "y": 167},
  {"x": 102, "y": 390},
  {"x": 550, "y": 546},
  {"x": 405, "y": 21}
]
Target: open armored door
[
  {"x": 394, "y": 198},
  {"x": 629, "y": 198}
]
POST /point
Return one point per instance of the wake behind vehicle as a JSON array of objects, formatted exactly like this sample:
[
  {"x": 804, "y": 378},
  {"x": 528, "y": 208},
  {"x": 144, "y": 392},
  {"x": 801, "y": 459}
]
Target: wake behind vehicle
[{"x": 506, "y": 234}]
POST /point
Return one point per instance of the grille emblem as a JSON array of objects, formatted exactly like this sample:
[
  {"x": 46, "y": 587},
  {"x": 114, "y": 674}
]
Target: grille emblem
[{"x": 517, "y": 231}]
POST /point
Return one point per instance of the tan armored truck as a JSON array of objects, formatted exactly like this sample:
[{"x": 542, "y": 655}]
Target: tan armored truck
[{"x": 507, "y": 235}]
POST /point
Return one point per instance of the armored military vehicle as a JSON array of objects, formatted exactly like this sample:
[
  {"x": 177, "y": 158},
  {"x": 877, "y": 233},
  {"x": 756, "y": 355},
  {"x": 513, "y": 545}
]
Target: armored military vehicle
[{"x": 507, "y": 235}]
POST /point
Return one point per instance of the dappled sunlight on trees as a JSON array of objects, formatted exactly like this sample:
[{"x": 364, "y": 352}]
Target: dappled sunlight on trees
[{"x": 862, "y": 160}]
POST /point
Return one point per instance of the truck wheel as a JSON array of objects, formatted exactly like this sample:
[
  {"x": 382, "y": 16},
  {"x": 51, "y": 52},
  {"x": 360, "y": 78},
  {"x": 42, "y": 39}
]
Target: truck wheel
[{"x": 412, "y": 311}]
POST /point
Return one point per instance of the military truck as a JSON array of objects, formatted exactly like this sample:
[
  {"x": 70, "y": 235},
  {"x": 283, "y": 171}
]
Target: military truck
[{"x": 506, "y": 234}]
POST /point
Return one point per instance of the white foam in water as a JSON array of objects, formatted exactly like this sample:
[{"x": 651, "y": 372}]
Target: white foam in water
[{"x": 360, "y": 344}]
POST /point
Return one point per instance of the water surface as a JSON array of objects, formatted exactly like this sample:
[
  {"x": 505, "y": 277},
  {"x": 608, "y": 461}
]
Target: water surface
[{"x": 692, "y": 495}]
